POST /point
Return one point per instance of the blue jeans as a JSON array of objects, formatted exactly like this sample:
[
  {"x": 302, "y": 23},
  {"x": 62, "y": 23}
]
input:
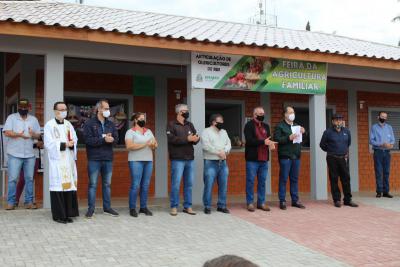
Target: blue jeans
[
  {"x": 382, "y": 170},
  {"x": 215, "y": 170},
  {"x": 181, "y": 168},
  {"x": 253, "y": 169},
  {"x": 14, "y": 168},
  {"x": 140, "y": 178},
  {"x": 289, "y": 168},
  {"x": 96, "y": 167}
]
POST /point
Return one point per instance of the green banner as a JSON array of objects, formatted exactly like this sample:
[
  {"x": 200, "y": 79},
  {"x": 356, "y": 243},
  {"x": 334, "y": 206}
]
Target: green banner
[{"x": 259, "y": 74}]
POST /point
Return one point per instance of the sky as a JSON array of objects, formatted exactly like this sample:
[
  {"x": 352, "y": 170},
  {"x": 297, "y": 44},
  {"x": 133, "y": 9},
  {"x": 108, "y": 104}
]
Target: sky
[{"x": 362, "y": 19}]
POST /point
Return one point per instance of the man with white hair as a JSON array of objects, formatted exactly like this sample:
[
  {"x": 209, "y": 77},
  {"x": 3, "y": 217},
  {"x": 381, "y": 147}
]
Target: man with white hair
[
  {"x": 258, "y": 142},
  {"x": 182, "y": 136}
]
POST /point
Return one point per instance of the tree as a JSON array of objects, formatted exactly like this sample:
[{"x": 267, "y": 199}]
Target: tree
[{"x": 308, "y": 26}]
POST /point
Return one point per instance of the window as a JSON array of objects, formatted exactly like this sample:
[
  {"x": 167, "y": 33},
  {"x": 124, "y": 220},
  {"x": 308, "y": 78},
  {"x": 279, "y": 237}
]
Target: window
[
  {"x": 233, "y": 113},
  {"x": 393, "y": 120},
  {"x": 303, "y": 119},
  {"x": 81, "y": 109}
]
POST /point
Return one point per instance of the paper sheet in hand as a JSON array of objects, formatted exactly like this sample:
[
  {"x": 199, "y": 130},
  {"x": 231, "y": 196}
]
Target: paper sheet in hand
[{"x": 297, "y": 130}]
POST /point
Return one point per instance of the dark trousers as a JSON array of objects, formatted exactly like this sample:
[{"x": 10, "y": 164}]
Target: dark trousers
[
  {"x": 338, "y": 167},
  {"x": 382, "y": 170}
]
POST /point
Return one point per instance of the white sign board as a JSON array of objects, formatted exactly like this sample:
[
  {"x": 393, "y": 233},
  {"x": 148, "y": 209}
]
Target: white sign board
[{"x": 209, "y": 69}]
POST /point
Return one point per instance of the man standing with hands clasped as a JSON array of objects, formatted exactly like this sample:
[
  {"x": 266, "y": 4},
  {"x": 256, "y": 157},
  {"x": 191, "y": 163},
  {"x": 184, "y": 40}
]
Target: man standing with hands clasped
[
  {"x": 182, "y": 136},
  {"x": 100, "y": 136},
  {"x": 21, "y": 129},
  {"x": 289, "y": 152},
  {"x": 216, "y": 146},
  {"x": 258, "y": 143},
  {"x": 381, "y": 137}
]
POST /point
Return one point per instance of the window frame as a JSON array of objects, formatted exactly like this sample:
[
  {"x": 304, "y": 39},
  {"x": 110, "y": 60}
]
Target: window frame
[
  {"x": 242, "y": 105},
  {"x": 97, "y": 96},
  {"x": 295, "y": 105}
]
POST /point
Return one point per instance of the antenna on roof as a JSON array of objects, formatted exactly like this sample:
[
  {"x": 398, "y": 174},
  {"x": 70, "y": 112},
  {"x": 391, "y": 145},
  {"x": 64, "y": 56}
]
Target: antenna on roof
[{"x": 262, "y": 17}]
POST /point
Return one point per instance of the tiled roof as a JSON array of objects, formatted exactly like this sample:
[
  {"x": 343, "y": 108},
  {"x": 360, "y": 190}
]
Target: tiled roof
[{"x": 179, "y": 27}]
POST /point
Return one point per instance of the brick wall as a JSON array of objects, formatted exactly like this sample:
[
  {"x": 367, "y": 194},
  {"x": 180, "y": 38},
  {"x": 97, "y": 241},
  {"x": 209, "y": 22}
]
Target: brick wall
[{"x": 366, "y": 163}]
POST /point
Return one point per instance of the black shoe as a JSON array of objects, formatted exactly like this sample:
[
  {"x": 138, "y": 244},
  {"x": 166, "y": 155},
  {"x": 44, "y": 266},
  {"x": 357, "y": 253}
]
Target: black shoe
[
  {"x": 223, "y": 210},
  {"x": 337, "y": 204},
  {"x": 111, "y": 212},
  {"x": 60, "y": 221},
  {"x": 89, "y": 214},
  {"x": 298, "y": 205},
  {"x": 133, "y": 213},
  {"x": 378, "y": 195},
  {"x": 146, "y": 211},
  {"x": 282, "y": 205},
  {"x": 69, "y": 220},
  {"x": 350, "y": 204},
  {"x": 207, "y": 211},
  {"x": 387, "y": 195}
]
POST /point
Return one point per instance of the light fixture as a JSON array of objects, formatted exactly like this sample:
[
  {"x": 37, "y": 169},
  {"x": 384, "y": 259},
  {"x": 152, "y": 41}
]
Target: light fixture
[
  {"x": 177, "y": 94},
  {"x": 361, "y": 102}
]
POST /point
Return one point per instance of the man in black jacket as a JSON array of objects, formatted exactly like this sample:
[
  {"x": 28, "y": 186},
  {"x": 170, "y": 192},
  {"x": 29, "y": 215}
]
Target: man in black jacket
[
  {"x": 289, "y": 152},
  {"x": 100, "y": 136},
  {"x": 336, "y": 141},
  {"x": 182, "y": 136},
  {"x": 257, "y": 135}
]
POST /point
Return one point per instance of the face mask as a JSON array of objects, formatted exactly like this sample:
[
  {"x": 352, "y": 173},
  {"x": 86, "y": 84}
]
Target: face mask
[
  {"x": 382, "y": 120},
  {"x": 141, "y": 123},
  {"x": 338, "y": 126},
  {"x": 106, "y": 113},
  {"x": 63, "y": 114},
  {"x": 23, "y": 112},
  {"x": 219, "y": 125},
  {"x": 260, "y": 118},
  {"x": 185, "y": 115},
  {"x": 292, "y": 117}
]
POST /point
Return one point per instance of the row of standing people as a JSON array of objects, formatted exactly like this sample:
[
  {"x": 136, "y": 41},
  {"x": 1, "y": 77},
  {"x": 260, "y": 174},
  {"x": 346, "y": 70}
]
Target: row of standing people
[{"x": 101, "y": 135}]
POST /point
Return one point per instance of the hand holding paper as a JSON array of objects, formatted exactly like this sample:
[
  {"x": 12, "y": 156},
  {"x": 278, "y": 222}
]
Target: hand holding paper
[{"x": 296, "y": 130}]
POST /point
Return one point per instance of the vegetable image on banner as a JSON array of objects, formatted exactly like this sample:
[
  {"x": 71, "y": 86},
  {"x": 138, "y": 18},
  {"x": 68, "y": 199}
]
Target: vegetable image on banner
[{"x": 262, "y": 74}]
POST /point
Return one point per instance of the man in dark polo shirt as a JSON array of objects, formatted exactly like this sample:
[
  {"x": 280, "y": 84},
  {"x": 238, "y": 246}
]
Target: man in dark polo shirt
[
  {"x": 258, "y": 143},
  {"x": 181, "y": 137},
  {"x": 336, "y": 141}
]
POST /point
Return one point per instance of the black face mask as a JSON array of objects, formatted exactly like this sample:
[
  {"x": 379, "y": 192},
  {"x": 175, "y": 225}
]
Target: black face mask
[
  {"x": 381, "y": 120},
  {"x": 141, "y": 123},
  {"x": 185, "y": 115},
  {"x": 260, "y": 118},
  {"x": 22, "y": 112},
  {"x": 219, "y": 125}
]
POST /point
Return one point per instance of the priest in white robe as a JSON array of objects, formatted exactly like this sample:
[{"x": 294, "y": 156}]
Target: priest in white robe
[{"x": 60, "y": 142}]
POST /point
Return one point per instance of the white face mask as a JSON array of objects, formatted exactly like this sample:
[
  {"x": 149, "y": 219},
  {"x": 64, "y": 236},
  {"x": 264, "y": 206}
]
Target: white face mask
[
  {"x": 106, "y": 113},
  {"x": 292, "y": 117},
  {"x": 63, "y": 114}
]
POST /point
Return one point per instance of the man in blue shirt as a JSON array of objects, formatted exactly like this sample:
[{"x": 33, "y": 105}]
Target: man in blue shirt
[
  {"x": 381, "y": 138},
  {"x": 336, "y": 142},
  {"x": 21, "y": 128},
  {"x": 100, "y": 136}
]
